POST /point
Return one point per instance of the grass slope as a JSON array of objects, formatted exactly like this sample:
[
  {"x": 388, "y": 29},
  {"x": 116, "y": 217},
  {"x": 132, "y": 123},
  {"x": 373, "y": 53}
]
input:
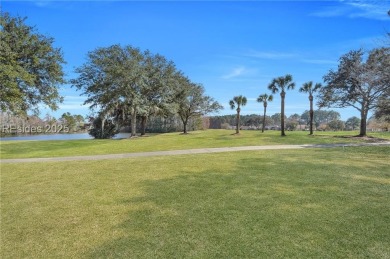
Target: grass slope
[
  {"x": 322, "y": 203},
  {"x": 171, "y": 141}
]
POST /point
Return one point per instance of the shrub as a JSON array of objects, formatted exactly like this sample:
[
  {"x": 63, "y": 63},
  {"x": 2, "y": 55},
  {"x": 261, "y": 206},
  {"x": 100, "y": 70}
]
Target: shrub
[{"x": 98, "y": 132}]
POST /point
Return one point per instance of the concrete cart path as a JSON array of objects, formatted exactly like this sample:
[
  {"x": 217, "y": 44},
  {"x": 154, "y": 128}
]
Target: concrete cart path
[{"x": 185, "y": 152}]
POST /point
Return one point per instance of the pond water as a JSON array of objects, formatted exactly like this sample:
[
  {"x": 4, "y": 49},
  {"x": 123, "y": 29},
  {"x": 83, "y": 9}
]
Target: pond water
[{"x": 59, "y": 137}]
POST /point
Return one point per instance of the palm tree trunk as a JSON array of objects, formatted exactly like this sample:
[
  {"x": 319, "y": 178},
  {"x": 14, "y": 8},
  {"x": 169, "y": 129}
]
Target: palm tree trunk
[
  {"x": 238, "y": 121},
  {"x": 282, "y": 95},
  {"x": 265, "y": 109},
  {"x": 311, "y": 114}
]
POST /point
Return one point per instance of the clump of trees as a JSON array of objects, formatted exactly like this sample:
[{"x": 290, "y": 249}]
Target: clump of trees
[
  {"x": 12, "y": 124},
  {"x": 382, "y": 110},
  {"x": 127, "y": 83},
  {"x": 30, "y": 68},
  {"x": 103, "y": 129},
  {"x": 359, "y": 82},
  {"x": 321, "y": 119},
  {"x": 191, "y": 102},
  {"x": 72, "y": 122},
  {"x": 352, "y": 123}
]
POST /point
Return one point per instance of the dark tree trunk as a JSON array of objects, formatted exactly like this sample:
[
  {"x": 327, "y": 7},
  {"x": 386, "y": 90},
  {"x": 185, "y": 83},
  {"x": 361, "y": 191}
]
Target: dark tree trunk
[
  {"x": 265, "y": 110},
  {"x": 133, "y": 124},
  {"x": 311, "y": 114},
  {"x": 184, "y": 119},
  {"x": 363, "y": 122},
  {"x": 144, "y": 119},
  {"x": 282, "y": 95},
  {"x": 238, "y": 121},
  {"x": 185, "y": 126},
  {"x": 102, "y": 129}
]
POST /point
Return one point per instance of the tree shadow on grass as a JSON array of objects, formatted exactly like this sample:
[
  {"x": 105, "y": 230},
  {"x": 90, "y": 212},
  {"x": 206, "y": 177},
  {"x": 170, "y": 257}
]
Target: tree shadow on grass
[{"x": 258, "y": 209}]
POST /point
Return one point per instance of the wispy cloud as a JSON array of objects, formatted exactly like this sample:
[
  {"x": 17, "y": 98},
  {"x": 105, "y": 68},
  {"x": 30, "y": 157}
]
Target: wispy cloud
[
  {"x": 39, "y": 3},
  {"x": 234, "y": 73},
  {"x": 331, "y": 11},
  {"x": 370, "y": 9},
  {"x": 269, "y": 54},
  {"x": 42, "y": 3},
  {"x": 377, "y": 10},
  {"x": 54, "y": 4}
]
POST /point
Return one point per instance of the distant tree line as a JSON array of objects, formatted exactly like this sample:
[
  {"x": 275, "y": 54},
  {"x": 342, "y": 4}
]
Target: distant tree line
[
  {"x": 323, "y": 120},
  {"x": 12, "y": 124}
]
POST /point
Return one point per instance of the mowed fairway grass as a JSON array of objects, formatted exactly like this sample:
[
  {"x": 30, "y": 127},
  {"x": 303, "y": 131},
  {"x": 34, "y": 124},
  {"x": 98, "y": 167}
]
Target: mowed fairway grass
[
  {"x": 309, "y": 203},
  {"x": 174, "y": 141}
]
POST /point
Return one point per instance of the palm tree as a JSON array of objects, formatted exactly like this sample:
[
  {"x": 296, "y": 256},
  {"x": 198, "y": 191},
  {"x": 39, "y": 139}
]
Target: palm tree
[
  {"x": 308, "y": 88},
  {"x": 264, "y": 98},
  {"x": 281, "y": 84},
  {"x": 239, "y": 101}
]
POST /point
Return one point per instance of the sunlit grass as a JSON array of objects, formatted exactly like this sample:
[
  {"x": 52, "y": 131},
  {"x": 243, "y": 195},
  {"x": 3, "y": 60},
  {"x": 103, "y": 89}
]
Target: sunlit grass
[
  {"x": 172, "y": 141},
  {"x": 312, "y": 203}
]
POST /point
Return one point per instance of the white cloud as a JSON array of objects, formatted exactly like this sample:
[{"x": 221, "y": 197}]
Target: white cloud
[
  {"x": 332, "y": 11},
  {"x": 377, "y": 10},
  {"x": 234, "y": 73},
  {"x": 269, "y": 54},
  {"x": 371, "y": 9}
]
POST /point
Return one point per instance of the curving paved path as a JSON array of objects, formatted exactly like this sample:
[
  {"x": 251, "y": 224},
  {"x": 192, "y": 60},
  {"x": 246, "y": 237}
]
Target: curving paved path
[{"x": 184, "y": 152}]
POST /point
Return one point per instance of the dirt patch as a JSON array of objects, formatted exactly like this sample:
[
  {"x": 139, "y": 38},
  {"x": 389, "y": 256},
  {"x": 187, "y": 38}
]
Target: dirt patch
[{"x": 367, "y": 139}]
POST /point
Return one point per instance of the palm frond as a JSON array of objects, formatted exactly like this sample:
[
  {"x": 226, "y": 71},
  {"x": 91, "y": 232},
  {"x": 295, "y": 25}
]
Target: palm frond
[{"x": 232, "y": 104}]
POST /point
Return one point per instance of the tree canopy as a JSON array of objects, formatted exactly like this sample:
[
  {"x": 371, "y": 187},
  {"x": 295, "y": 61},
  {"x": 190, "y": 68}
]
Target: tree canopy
[
  {"x": 131, "y": 83},
  {"x": 191, "y": 101},
  {"x": 352, "y": 122},
  {"x": 30, "y": 67},
  {"x": 382, "y": 111},
  {"x": 125, "y": 79},
  {"x": 358, "y": 82}
]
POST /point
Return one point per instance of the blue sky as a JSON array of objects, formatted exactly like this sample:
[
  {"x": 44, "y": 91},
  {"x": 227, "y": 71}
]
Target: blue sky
[{"x": 230, "y": 47}]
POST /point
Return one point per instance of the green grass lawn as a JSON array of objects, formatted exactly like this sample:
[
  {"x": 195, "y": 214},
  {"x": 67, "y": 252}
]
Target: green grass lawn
[
  {"x": 311, "y": 203},
  {"x": 171, "y": 141}
]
